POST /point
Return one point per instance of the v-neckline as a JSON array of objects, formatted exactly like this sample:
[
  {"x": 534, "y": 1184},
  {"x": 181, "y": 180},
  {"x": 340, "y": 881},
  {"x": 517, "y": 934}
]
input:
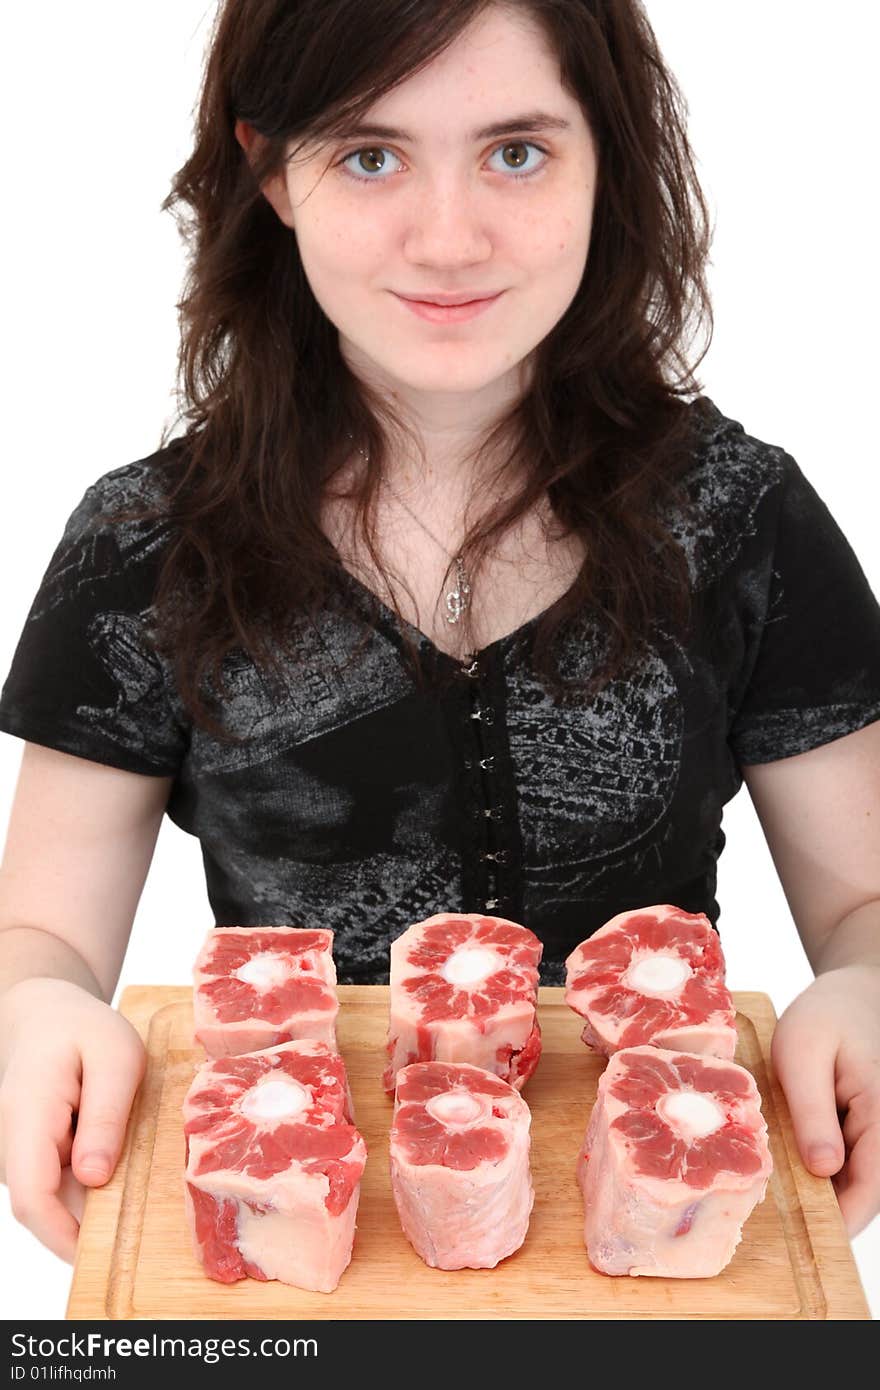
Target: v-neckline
[{"x": 438, "y": 652}]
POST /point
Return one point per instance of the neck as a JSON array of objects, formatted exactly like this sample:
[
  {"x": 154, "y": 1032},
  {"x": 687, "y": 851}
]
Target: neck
[{"x": 446, "y": 480}]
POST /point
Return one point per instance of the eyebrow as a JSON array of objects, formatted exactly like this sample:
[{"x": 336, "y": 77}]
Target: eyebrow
[{"x": 532, "y": 120}]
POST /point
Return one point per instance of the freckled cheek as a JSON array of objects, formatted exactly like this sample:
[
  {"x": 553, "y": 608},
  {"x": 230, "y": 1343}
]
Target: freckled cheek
[
  {"x": 549, "y": 245},
  {"x": 334, "y": 256}
]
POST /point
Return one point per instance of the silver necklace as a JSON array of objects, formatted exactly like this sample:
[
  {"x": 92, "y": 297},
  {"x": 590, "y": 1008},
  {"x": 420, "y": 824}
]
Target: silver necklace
[{"x": 458, "y": 598}]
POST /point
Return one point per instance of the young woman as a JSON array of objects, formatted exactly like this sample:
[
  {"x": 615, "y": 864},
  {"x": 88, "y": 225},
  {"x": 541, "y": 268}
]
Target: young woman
[{"x": 480, "y": 608}]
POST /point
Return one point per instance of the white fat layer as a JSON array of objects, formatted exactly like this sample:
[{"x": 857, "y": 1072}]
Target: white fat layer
[
  {"x": 264, "y": 971},
  {"x": 470, "y": 964},
  {"x": 275, "y": 1100},
  {"x": 657, "y": 974},
  {"x": 692, "y": 1113},
  {"x": 457, "y": 1108}
]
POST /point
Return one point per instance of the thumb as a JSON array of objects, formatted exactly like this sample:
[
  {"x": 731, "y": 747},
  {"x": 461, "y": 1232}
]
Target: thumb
[
  {"x": 804, "y": 1061},
  {"x": 108, "y": 1089}
]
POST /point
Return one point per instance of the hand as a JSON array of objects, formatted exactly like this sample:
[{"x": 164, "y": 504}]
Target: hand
[
  {"x": 826, "y": 1053},
  {"x": 69, "y": 1069}
]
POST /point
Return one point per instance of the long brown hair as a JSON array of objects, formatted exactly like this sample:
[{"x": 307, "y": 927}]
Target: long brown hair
[{"x": 604, "y": 430}]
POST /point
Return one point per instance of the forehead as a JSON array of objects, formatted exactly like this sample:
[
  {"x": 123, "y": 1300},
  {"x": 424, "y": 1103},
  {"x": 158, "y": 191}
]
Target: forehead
[
  {"x": 501, "y": 68},
  {"x": 501, "y": 65}
]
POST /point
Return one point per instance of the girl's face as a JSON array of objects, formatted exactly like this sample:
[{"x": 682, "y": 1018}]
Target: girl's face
[{"x": 435, "y": 202}]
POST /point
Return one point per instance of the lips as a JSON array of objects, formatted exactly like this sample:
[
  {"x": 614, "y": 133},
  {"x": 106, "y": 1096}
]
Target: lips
[
  {"x": 448, "y": 301},
  {"x": 450, "y": 313}
]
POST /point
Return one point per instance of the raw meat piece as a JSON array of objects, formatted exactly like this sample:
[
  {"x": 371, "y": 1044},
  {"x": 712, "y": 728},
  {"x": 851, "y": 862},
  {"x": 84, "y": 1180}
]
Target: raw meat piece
[
  {"x": 460, "y": 1164},
  {"x": 256, "y": 987},
  {"x": 273, "y": 1166},
  {"x": 674, "y": 1160},
  {"x": 655, "y": 975},
  {"x": 464, "y": 989}
]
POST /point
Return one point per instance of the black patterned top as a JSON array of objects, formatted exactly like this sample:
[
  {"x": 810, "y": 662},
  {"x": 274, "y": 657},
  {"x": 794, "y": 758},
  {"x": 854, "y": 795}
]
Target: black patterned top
[{"x": 359, "y": 803}]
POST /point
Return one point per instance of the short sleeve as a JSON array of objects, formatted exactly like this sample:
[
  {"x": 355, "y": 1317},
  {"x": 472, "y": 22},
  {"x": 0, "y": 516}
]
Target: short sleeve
[
  {"x": 85, "y": 678},
  {"x": 816, "y": 665}
]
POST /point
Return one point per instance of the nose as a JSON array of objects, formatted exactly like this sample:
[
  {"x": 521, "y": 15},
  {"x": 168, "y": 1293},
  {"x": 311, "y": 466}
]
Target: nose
[{"x": 448, "y": 222}]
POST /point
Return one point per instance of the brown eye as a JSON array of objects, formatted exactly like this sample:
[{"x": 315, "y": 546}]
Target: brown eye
[
  {"x": 518, "y": 146},
  {"x": 371, "y": 160}
]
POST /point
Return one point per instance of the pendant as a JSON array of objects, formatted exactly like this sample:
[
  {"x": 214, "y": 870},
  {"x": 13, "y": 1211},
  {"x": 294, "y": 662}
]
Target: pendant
[{"x": 457, "y": 599}]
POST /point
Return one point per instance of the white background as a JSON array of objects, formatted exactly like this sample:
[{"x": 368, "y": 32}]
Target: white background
[{"x": 98, "y": 101}]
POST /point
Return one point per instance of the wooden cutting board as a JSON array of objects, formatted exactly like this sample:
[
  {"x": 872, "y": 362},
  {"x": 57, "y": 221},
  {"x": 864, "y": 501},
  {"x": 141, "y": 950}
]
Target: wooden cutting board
[{"x": 134, "y": 1258}]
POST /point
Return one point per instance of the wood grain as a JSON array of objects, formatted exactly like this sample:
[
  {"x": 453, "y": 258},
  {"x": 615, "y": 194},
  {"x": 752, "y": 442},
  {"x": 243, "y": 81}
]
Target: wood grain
[{"x": 134, "y": 1258}]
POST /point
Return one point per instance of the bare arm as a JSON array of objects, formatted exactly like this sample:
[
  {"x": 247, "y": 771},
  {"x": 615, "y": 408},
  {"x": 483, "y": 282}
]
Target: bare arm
[
  {"x": 820, "y": 813},
  {"x": 80, "y": 840}
]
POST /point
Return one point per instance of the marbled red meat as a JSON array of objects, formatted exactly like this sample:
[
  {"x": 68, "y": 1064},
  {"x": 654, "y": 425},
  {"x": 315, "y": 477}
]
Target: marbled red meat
[
  {"x": 256, "y": 987},
  {"x": 675, "y": 1159},
  {"x": 460, "y": 1164},
  {"x": 273, "y": 1166},
  {"x": 654, "y": 975},
  {"x": 464, "y": 989}
]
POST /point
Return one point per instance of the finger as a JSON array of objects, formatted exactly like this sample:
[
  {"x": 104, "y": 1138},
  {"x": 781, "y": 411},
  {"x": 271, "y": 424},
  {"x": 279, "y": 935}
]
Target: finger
[
  {"x": 72, "y": 1193},
  {"x": 63, "y": 1152},
  {"x": 64, "y": 1149},
  {"x": 108, "y": 1089},
  {"x": 858, "y": 1186},
  {"x": 805, "y": 1065},
  {"x": 33, "y": 1173}
]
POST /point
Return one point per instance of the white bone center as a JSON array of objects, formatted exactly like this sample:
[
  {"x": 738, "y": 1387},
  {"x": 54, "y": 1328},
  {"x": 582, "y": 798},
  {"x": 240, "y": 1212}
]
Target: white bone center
[
  {"x": 470, "y": 964},
  {"x": 264, "y": 971},
  {"x": 275, "y": 1100},
  {"x": 691, "y": 1113},
  {"x": 657, "y": 974},
  {"x": 456, "y": 1108}
]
